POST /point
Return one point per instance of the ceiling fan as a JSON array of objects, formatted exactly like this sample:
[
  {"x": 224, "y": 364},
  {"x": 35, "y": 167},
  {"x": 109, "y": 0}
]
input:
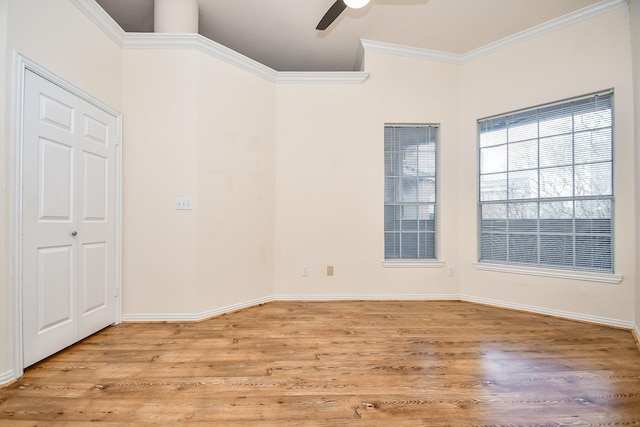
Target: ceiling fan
[{"x": 336, "y": 9}]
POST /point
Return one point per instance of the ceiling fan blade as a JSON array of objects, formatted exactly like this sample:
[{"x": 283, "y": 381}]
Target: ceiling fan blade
[{"x": 334, "y": 11}]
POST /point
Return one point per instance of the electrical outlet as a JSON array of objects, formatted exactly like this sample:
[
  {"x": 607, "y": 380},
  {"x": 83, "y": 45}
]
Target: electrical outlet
[
  {"x": 452, "y": 271},
  {"x": 304, "y": 271},
  {"x": 184, "y": 204},
  {"x": 329, "y": 270}
]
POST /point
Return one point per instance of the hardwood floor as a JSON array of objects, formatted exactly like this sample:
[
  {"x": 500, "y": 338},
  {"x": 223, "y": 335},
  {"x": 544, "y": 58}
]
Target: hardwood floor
[{"x": 392, "y": 363}]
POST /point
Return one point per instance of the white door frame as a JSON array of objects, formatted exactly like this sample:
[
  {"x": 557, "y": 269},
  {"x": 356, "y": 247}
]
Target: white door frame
[{"x": 21, "y": 64}]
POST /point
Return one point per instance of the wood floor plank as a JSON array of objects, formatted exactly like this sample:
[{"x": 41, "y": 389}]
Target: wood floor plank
[{"x": 335, "y": 363}]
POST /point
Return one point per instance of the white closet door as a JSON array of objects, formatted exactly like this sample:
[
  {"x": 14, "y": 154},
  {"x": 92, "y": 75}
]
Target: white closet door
[
  {"x": 68, "y": 209},
  {"x": 96, "y": 219}
]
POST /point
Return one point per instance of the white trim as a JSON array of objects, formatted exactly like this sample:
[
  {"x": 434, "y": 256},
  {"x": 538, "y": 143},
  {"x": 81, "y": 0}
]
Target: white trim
[
  {"x": 552, "y": 25},
  {"x": 21, "y": 65},
  {"x": 636, "y": 334},
  {"x": 16, "y": 187},
  {"x": 101, "y": 18},
  {"x": 368, "y": 297},
  {"x": 201, "y": 44},
  {"x": 195, "y": 317},
  {"x": 7, "y": 377},
  {"x": 455, "y": 58},
  {"x": 606, "y": 321},
  {"x": 410, "y": 52},
  {"x": 195, "y": 41},
  {"x": 175, "y": 317},
  {"x": 408, "y": 263},
  {"x": 216, "y": 50},
  {"x": 118, "y": 207},
  {"x": 589, "y": 276},
  {"x": 322, "y": 77}
]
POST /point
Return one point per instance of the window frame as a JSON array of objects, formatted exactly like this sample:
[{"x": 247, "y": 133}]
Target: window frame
[
  {"x": 538, "y": 268},
  {"x": 416, "y": 262}
]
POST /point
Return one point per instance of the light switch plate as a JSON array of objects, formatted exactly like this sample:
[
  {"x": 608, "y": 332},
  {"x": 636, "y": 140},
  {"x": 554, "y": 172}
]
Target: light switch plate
[{"x": 184, "y": 204}]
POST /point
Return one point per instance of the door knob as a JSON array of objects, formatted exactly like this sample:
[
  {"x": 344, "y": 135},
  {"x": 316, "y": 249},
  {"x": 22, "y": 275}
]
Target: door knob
[{"x": 74, "y": 233}]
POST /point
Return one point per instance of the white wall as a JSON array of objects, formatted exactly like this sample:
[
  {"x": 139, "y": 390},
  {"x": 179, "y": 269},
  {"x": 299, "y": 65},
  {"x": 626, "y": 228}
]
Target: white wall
[
  {"x": 55, "y": 34},
  {"x": 5, "y": 205},
  {"x": 195, "y": 127},
  {"x": 159, "y": 164},
  {"x": 236, "y": 186},
  {"x": 588, "y": 56},
  {"x": 330, "y": 183},
  {"x": 634, "y": 8}
]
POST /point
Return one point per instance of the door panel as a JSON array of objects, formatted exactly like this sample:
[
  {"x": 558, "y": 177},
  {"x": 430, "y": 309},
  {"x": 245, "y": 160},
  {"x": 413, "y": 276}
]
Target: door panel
[
  {"x": 55, "y": 276},
  {"x": 55, "y": 183},
  {"x": 68, "y": 219},
  {"x": 95, "y": 188},
  {"x": 94, "y": 279},
  {"x": 96, "y": 222},
  {"x": 56, "y": 113},
  {"x": 48, "y": 276}
]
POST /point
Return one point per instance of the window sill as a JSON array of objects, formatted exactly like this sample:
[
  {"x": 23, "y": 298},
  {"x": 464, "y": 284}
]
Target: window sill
[
  {"x": 409, "y": 263},
  {"x": 589, "y": 276}
]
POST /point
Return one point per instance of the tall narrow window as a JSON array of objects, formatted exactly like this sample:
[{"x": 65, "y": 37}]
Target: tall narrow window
[
  {"x": 546, "y": 185},
  {"x": 410, "y": 191}
]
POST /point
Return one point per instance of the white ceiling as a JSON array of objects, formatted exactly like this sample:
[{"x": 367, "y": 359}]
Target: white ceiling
[{"x": 281, "y": 33}]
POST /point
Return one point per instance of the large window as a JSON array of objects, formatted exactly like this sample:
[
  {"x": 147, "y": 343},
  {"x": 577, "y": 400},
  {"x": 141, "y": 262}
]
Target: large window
[
  {"x": 546, "y": 185},
  {"x": 410, "y": 191}
]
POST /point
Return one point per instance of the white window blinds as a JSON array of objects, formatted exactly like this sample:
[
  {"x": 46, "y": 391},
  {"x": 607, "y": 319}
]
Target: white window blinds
[
  {"x": 410, "y": 191},
  {"x": 546, "y": 185}
]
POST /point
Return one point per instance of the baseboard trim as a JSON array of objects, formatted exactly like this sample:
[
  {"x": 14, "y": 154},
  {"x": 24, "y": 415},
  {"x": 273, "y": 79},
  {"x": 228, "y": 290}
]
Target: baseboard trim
[
  {"x": 368, "y": 297},
  {"x": 605, "y": 321},
  {"x": 7, "y": 378},
  {"x": 195, "y": 317}
]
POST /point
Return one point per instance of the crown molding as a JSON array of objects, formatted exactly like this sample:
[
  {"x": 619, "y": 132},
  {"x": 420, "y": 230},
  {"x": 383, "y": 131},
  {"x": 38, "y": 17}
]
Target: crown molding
[
  {"x": 195, "y": 41},
  {"x": 410, "y": 52},
  {"x": 101, "y": 18},
  {"x": 199, "y": 43},
  {"x": 209, "y": 47},
  {"x": 322, "y": 77},
  {"x": 557, "y": 23}
]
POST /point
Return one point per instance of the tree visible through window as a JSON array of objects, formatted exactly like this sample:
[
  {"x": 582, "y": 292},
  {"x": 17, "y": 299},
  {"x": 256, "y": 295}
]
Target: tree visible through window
[
  {"x": 410, "y": 191},
  {"x": 546, "y": 185}
]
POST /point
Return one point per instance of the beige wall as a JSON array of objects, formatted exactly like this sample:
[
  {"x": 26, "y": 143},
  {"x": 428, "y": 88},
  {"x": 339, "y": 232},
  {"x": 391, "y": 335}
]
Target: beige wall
[
  {"x": 5, "y": 206},
  {"x": 159, "y": 164},
  {"x": 634, "y": 8},
  {"x": 330, "y": 184},
  {"x": 195, "y": 127},
  {"x": 56, "y": 35},
  {"x": 236, "y": 186},
  {"x": 588, "y": 56}
]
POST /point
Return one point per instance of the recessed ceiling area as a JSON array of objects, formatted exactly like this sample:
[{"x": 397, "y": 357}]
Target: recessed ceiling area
[{"x": 282, "y": 34}]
